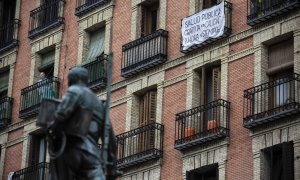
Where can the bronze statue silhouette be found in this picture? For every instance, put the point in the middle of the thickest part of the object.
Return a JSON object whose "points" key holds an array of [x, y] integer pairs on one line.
{"points": [[74, 130]]}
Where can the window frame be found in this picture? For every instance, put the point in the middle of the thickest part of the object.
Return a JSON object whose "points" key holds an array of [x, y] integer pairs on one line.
{"points": [[287, 154]]}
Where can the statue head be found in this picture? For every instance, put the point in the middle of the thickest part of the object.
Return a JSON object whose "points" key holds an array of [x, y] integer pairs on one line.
{"points": [[78, 75]]}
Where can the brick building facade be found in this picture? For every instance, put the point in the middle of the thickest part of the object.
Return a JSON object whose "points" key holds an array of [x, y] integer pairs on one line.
{"points": [[227, 108]]}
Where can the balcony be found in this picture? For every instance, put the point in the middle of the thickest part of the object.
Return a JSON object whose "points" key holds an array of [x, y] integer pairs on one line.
{"points": [[5, 111], [97, 70], [31, 96], [144, 53], [259, 11], [202, 124], [9, 35], [83, 6], [39, 172], [227, 30], [140, 145], [45, 17], [272, 101]]}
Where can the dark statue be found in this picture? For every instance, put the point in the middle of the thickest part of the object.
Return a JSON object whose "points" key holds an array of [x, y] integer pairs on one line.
{"points": [[74, 131]]}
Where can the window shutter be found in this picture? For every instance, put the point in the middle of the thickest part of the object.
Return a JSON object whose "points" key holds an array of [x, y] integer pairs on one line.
{"points": [[203, 85], [147, 108], [288, 160], [96, 47], [4, 79], [144, 110], [47, 59], [152, 106], [34, 153], [281, 56], [143, 20], [216, 82]]}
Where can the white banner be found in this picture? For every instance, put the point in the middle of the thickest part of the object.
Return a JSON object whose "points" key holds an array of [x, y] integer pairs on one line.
{"points": [[208, 23]]}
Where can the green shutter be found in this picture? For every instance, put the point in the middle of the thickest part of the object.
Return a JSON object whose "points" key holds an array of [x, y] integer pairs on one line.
{"points": [[47, 58], [4, 78], [96, 47]]}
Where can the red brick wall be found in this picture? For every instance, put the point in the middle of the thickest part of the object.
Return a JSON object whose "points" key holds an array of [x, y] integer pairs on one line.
{"points": [[121, 34], [171, 73], [240, 158], [15, 134], [118, 118], [23, 63], [176, 10], [241, 45], [69, 45], [13, 159], [118, 94], [174, 101], [239, 13]]}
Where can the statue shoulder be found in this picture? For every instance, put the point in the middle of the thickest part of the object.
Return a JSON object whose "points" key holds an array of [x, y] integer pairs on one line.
{"points": [[75, 89]]}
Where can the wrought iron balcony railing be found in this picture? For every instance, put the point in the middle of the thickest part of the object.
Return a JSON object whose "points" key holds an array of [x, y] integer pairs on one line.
{"points": [[97, 70], [36, 172], [45, 17], [227, 30], [144, 53], [202, 124], [5, 111], [139, 145], [9, 35], [84, 6], [32, 96], [272, 100], [261, 10]]}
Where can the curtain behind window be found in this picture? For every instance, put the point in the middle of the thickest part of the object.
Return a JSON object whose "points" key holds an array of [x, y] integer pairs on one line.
{"points": [[96, 47]]}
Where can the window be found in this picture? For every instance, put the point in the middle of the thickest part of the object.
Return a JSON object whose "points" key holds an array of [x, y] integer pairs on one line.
{"points": [[204, 4], [280, 64], [47, 64], [7, 11], [149, 18], [96, 45], [278, 162], [209, 172], [50, 12], [37, 149], [147, 115], [7, 17], [147, 108], [4, 79], [210, 82]]}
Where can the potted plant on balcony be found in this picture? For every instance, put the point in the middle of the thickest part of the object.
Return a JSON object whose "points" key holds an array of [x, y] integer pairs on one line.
{"points": [[212, 125], [189, 132]]}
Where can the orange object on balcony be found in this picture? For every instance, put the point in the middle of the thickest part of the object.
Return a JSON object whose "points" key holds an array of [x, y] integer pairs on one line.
{"points": [[211, 124], [189, 132]]}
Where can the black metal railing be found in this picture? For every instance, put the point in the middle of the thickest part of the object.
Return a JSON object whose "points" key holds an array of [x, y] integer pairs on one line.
{"points": [[36, 172], [97, 70], [139, 145], [227, 30], [32, 96], [272, 100], [9, 35], [261, 10], [45, 17], [144, 53], [5, 111], [202, 124], [83, 6]]}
